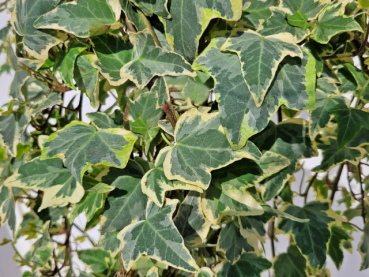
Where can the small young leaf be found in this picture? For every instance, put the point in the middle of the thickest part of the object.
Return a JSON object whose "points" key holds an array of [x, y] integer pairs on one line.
{"points": [[298, 19]]}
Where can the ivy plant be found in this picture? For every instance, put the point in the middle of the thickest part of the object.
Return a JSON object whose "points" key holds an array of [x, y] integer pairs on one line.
{"points": [[201, 113]]}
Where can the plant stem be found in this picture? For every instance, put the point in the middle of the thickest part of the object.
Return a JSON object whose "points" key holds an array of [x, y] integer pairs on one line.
{"points": [[87, 236], [309, 186], [80, 106], [166, 139], [148, 26], [363, 212], [335, 182], [169, 111]]}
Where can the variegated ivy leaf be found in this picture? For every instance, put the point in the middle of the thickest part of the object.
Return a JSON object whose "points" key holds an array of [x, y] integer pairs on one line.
{"points": [[166, 245], [54, 98], [7, 208], [12, 126], [191, 222], [65, 64], [260, 57], [201, 146], [349, 123], [333, 156], [110, 242], [335, 244], [132, 15], [87, 77], [150, 60], [348, 83], [152, 7], [155, 184], [309, 7], [258, 11], [251, 263], [294, 87], [361, 139], [81, 145], [85, 18], [205, 272], [161, 90], [311, 237], [153, 272], [290, 264], [290, 139], [20, 75], [113, 52], [103, 121], [93, 201], [144, 264], [332, 22], [41, 250], [50, 176], [97, 260], [124, 205], [232, 243], [320, 117], [36, 42], [363, 248], [190, 19], [362, 82], [277, 24]]}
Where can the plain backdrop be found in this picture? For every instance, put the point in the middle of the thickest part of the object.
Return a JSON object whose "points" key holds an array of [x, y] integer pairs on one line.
{"points": [[350, 266]]}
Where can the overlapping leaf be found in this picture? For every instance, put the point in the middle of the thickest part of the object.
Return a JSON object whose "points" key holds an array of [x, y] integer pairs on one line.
{"points": [[151, 7], [256, 12], [201, 146], [309, 7], [7, 208], [290, 264], [335, 244], [81, 145], [190, 19]]}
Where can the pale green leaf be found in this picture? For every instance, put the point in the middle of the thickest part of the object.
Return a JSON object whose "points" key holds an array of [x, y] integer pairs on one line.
{"points": [[193, 158], [84, 18], [150, 60], [332, 22], [7, 208], [81, 145], [97, 260], [298, 19], [260, 57], [153, 272], [167, 244], [311, 237]]}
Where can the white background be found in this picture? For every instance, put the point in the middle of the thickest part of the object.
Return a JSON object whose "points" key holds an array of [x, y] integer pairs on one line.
{"points": [[350, 266]]}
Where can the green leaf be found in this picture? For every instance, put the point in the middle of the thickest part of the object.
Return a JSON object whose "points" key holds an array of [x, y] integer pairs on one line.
{"points": [[332, 22], [361, 139], [84, 19], [251, 263], [349, 123], [167, 244], [161, 90], [257, 12], [238, 112], [298, 19], [96, 260], [54, 98], [260, 57], [361, 84], [290, 264], [309, 7], [124, 205], [290, 139], [151, 7], [132, 15], [155, 184], [320, 117], [191, 222], [7, 208], [150, 60], [65, 65], [332, 156], [81, 145], [363, 248], [103, 121], [348, 82], [37, 43], [58, 184], [110, 242], [153, 272], [335, 244], [277, 24], [190, 19], [232, 243], [12, 126], [311, 237], [192, 158], [87, 77], [197, 91], [113, 52]]}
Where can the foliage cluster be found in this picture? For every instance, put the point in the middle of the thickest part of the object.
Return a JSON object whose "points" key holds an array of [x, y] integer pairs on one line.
{"points": [[186, 170]]}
